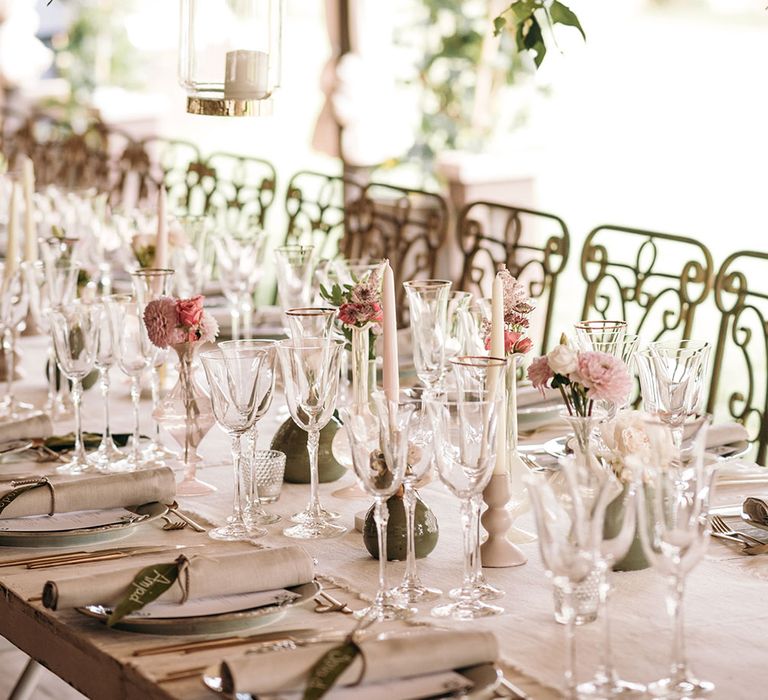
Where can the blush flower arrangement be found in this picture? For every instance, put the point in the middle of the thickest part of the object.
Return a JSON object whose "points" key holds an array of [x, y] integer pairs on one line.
{"points": [[359, 306], [518, 307], [172, 321], [582, 377]]}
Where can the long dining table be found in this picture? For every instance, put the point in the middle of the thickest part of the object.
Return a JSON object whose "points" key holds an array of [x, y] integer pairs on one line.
{"points": [[724, 605]]}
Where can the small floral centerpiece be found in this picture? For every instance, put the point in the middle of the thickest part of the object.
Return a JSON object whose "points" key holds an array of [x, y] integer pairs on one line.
{"points": [[518, 307], [359, 306], [582, 377], [172, 322]]}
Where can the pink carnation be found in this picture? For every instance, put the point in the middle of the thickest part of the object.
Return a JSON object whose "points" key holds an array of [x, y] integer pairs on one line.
{"points": [[161, 319], [540, 373], [190, 310], [604, 376]]}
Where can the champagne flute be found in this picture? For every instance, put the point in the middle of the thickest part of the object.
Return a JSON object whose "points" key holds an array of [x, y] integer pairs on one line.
{"points": [[76, 330], [233, 377], [311, 376], [14, 304]]}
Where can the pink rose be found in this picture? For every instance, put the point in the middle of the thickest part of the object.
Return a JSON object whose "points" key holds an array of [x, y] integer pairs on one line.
{"points": [[605, 377], [160, 320], [540, 373], [190, 311]]}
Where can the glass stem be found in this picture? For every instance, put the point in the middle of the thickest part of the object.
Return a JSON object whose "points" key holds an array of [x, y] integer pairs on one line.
{"points": [[10, 367], [605, 668], [570, 641], [675, 607], [237, 504], [106, 437], [154, 376], [52, 377], [411, 579], [77, 395], [477, 569], [136, 399], [247, 313], [467, 526], [234, 314], [381, 514], [313, 442], [254, 500]]}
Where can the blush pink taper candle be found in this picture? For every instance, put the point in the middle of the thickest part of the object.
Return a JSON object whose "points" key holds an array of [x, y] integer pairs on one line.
{"points": [[161, 243], [391, 362]]}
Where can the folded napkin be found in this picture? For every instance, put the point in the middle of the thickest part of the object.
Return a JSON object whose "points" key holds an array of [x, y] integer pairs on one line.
{"points": [[528, 396], [92, 492], [232, 573], [724, 434], [37, 426], [402, 656], [756, 511]]}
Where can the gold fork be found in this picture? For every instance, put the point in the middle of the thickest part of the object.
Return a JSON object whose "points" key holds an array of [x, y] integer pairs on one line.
{"points": [[721, 527]]}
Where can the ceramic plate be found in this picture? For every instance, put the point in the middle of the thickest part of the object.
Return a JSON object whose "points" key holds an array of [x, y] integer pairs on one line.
{"points": [[557, 448], [485, 678], [209, 624], [537, 415], [92, 535]]}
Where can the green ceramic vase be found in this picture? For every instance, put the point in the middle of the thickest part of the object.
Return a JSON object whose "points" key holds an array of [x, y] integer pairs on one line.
{"points": [[426, 533], [634, 560], [292, 440]]}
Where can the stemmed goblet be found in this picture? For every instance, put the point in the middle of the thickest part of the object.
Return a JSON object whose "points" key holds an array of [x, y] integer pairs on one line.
{"points": [[311, 377], [149, 284], [76, 330], [133, 352], [428, 304], [14, 304], [295, 268], [254, 511], [107, 454], [379, 445], [674, 488], [233, 378], [311, 322], [465, 451], [600, 335]]}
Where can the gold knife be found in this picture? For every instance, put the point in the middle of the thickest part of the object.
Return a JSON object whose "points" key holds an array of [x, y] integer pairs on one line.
{"points": [[104, 556]]}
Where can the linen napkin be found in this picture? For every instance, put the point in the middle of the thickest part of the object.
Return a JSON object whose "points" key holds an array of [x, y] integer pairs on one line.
{"points": [[37, 426], [93, 492], [403, 656], [724, 434], [209, 576]]}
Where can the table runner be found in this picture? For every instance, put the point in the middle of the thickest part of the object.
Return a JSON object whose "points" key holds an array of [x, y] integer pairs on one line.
{"points": [[724, 602]]}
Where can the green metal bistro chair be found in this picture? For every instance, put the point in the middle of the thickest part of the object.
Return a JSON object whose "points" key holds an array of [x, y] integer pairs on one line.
{"points": [[739, 385], [653, 281], [406, 226], [316, 209], [532, 244]]}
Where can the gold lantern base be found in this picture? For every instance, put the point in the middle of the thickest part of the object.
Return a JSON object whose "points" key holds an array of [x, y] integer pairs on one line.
{"points": [[225, 107]]}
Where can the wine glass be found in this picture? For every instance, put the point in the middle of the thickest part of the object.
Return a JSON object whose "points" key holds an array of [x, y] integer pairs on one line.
{"points": [[76, 330], [233, 378], [674, 488], [240, 260], [379, 446], [133, 352], [192, 261], [107, 453], [14, 305], [311, 322], [600, 335], [465, 451], [678, 374], [254, 511], [150, 284], [311, 377], [295, 268], [458, 329], [428, 304], [419, 459]]}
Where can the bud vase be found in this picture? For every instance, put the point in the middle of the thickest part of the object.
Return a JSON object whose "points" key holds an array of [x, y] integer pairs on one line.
{"points": [[187, 415]]}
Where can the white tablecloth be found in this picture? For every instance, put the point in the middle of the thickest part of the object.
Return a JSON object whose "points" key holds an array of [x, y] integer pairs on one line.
{"points": [[725, 597]]}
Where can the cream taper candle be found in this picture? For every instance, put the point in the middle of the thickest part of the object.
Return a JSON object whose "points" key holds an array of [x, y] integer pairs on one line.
{"points": [[12, 240], [161, 243], [391, 361], [497, 350], [30, 230]]}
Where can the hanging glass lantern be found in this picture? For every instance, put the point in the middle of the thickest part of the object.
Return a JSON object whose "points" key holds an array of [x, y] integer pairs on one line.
{"points": [[230, 55]]}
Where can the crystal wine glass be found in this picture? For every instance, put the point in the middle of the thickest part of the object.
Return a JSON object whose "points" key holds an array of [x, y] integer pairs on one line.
{"points": [[311, 322], [240, 259], [14, 304], [295, 269], [311, 376], [600, 335], [150, 284], [428, 304], [379, 446], [254, 511], [133, 352], [76, 330], [465, 451], [674, 488], [233, 378], [419, 459]]}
